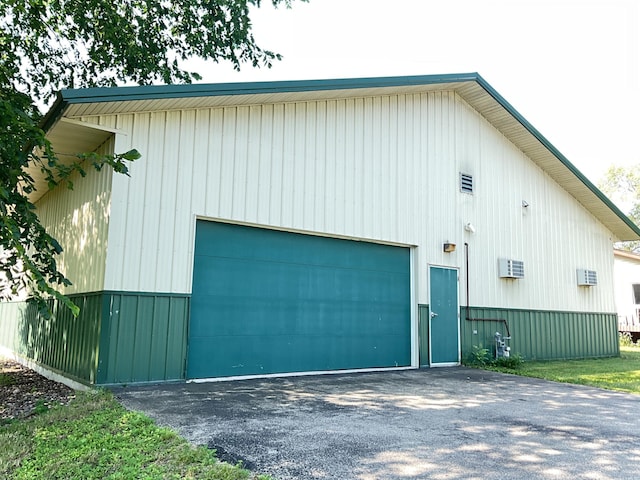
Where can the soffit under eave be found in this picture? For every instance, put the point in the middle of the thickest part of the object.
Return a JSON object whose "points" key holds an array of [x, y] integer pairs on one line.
{"points": [[75, 110], [68, 138]]}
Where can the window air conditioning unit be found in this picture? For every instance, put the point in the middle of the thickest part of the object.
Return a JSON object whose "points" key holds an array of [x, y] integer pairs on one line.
{"points": [[586, 277], [510, 268]]}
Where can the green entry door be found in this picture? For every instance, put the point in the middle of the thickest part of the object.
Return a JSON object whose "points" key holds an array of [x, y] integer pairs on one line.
{"points": [[266, 301], [444, 328]]}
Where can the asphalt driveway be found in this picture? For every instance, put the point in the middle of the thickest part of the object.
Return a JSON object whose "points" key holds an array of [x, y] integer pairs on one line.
{"points": [[433, 423]]}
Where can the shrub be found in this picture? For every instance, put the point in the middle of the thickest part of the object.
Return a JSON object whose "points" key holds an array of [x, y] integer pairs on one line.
{"points": [[625, 339], [512, 362], [479, 356], [482, 357]]}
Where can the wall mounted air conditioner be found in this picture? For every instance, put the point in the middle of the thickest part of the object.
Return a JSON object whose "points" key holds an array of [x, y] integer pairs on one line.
{"points": [[508, 268], [586, 277]]}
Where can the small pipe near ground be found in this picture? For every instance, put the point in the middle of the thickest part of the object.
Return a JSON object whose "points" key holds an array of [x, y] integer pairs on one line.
{"points": [[473, 319]]}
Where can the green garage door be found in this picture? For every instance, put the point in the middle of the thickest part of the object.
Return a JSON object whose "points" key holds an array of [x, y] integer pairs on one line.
{"points": [[266, 301]]}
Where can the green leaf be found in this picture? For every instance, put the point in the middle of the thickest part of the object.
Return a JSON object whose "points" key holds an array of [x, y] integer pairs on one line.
{"points": [[56, 246], [131, 155]]}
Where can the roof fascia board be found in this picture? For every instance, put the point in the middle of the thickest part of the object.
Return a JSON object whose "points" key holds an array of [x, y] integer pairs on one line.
{"points": [[67, 97], [55, 112], [154, 92]]}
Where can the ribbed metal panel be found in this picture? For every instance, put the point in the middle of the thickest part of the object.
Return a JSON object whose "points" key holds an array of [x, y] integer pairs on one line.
{"points": [[423, 334], [79, 220], [268, 302], [63, 343], [543, 335], [11, 314], [382, 168], [143, 338]]}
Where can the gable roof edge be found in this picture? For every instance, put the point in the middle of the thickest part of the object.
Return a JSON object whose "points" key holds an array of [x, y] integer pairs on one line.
{"points": [[556, 153]]}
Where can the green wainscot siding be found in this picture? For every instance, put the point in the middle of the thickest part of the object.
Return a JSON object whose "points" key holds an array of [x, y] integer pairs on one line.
{"points": [[144, 338], [119, 337], [542, 335], [423, 334], [62, 343]]}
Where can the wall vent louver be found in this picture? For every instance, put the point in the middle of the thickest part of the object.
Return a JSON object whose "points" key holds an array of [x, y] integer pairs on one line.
{"points": [[586, 277], [466, 183], [510, 268]]}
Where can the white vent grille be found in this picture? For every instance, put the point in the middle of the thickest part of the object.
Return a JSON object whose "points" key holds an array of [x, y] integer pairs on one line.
{"points": [[587, 277], [466, 183], [510, 268]]}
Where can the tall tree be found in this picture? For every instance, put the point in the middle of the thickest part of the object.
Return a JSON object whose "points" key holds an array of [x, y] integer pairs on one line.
{"points": [[622, 185], [47, 45]]}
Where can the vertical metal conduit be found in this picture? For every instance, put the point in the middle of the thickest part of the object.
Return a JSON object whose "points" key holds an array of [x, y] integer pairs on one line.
{"points": [[467, 316]]}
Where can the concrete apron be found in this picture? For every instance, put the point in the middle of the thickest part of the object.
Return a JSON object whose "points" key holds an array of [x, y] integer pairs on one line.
{"points": [[433, 423]]}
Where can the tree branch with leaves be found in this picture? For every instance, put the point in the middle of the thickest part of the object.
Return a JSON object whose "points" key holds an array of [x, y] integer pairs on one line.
{"points": [[49, 45], [622, 185]]}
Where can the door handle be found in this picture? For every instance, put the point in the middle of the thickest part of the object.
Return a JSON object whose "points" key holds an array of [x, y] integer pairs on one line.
{"points": [[434, 314]]}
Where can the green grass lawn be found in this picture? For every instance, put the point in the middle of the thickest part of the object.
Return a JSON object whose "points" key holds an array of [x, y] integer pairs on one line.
{"points": [[96, 438], [622, 374]]}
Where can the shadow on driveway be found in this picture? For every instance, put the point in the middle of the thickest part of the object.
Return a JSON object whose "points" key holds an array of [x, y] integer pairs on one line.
{"points": [[453, 423]]}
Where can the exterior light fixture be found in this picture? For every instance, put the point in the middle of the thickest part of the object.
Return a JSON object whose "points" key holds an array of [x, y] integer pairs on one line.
{"points": [[449, 247]]}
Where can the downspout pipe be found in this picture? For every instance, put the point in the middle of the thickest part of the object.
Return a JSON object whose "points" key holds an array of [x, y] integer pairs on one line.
{"points": [[467, 316]]}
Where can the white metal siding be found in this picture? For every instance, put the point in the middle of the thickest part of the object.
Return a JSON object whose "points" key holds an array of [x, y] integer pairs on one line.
{"points": [[79, 220], [627, 273], [381, 168]]}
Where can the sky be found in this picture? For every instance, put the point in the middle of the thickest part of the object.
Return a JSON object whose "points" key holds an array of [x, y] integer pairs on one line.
{"points": [[570, 67]]}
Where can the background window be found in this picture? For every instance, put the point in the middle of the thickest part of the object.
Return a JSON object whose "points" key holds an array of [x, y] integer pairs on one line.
{"points": [[636, 293]]}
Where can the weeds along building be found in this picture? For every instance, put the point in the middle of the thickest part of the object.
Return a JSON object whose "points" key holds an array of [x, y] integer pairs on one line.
{"points": [[315, 226]]}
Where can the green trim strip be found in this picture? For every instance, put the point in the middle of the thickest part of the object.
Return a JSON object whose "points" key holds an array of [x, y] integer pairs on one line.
{"points": [[154, 92]]}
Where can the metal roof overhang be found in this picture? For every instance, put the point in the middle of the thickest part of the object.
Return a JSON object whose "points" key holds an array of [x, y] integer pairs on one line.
{"points": [[69, 137], [471, 87]]}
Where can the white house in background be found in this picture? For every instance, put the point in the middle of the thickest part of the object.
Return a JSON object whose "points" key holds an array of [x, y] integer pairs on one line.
{"points": [[626, 272], [314, 226]]}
